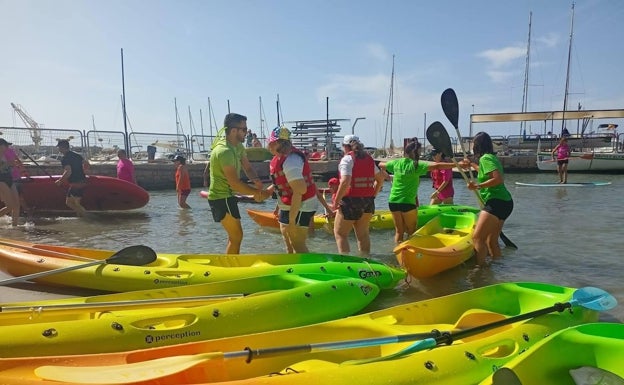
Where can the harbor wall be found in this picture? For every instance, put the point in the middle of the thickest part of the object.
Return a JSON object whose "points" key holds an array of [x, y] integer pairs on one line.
{"points": [[161, 175]]}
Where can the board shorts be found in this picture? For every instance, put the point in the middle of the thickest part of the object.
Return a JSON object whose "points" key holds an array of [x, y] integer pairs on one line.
{"points": [[185, 192], [352, 208], [221, 207], [562, 161], [7, 178], [402, 207], [303, 217], [499, 208], [76, 190]]}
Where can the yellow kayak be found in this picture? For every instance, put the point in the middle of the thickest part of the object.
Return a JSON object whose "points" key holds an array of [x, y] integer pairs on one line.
{"points": [[169, 270], [443, 243], [362, 349], [56, 327]]}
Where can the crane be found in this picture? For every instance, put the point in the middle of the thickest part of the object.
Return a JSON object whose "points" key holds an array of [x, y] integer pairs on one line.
{"points": [[35, 130]]}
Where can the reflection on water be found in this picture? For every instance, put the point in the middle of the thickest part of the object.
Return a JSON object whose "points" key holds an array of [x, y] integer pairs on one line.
{"points": [[568, 236]]}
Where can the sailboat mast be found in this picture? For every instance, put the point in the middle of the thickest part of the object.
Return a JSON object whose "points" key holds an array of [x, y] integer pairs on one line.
{"points": [[567, 83], [123, 104], [392, 105], [525, 92]]}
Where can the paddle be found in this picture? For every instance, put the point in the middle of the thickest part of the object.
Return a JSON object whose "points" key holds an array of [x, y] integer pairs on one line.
{"points": [[42, 251], [138, 255], [590, 297], [439, 139], [36, 164]]}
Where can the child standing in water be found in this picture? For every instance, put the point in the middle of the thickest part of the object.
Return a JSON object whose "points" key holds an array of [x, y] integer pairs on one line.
{"points": [[563, 155], [183, 181], [442, 181]]}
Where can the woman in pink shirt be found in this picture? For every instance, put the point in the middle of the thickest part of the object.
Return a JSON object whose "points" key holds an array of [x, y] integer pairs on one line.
{"points": [[125, 167]]}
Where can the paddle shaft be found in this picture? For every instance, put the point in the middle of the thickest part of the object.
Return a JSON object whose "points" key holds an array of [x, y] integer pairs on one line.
{"points": [[40, 274], [36, 164]]}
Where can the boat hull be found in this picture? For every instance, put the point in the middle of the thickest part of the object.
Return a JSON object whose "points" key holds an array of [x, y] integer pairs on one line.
{"points": [[170, 270], [441, 244], [102, 193], [114, 330], [466, 361], [594, 345], [599, 162]]}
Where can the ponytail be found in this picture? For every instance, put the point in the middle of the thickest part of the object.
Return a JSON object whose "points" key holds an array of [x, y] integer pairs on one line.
{"points": [[412, 150]]}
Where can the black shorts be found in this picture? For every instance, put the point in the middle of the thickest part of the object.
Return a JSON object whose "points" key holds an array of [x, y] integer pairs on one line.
{"points": [[402, 207], [352, 208], [499, 208], [220, 207], [562, 161], [75, 192], [303, 217]]}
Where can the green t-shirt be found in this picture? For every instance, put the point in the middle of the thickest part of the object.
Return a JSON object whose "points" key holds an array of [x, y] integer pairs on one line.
{"points": [[406, 178], [487, 164], [223, 155]]}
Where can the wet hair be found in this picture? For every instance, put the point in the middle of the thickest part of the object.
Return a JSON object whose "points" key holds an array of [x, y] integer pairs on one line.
{"points": [[233, 120], [482, 144], [412, 149], [357, 147]]}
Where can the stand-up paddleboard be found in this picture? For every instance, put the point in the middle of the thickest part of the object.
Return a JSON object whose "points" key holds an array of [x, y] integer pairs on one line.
{"points": [[579, 184], [102, 193]]}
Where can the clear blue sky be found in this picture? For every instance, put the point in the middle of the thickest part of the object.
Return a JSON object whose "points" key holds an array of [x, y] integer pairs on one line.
{"points": [[61, 60]]}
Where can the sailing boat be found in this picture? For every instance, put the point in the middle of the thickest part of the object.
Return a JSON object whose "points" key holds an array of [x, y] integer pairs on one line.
{"points": [[390, 114], [610, 157]]}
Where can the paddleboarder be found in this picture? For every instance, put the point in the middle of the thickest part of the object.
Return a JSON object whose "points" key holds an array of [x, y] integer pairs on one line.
{"points": [[562, 154]]}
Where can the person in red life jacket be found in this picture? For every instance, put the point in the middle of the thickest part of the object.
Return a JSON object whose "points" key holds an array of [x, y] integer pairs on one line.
{"points": [[360, 181], [292, 181]]}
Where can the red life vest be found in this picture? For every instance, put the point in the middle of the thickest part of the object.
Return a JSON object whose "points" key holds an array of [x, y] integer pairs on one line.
{"points": [[276, 169], [362, 177]]}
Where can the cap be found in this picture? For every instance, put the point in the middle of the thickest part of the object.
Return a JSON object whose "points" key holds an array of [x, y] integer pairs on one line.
{"points": [[179, 158], [63, 143], [279, 133], [350, 138], [333, 182], [4, 142]]}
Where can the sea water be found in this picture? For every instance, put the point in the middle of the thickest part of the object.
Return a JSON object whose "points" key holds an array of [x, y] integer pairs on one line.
{"points": [[570, 236]]}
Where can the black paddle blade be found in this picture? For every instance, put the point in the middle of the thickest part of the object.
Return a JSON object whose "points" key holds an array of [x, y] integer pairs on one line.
{"points": [[138, 255], [439, 139], [450, 106]]}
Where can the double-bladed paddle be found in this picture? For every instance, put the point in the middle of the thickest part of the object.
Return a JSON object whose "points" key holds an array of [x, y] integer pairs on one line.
{"points": [[137, 255], [588, 297], [440, 140]]}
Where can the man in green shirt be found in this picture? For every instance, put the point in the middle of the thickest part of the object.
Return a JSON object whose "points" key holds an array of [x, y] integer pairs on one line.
{"points": [[226, 160]]}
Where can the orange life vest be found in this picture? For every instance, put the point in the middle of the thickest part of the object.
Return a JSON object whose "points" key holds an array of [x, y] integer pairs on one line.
{"points": [[362, 177], [276, 169]]}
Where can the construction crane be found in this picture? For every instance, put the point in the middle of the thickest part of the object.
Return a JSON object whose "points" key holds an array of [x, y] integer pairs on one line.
{"points": [[35, 130]]}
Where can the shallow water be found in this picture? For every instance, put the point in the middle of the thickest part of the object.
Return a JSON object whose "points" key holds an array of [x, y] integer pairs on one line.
{"points": [[566, 235]]}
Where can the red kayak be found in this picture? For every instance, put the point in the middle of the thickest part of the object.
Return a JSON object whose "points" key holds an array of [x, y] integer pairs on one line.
{"points": [[102, 193]]}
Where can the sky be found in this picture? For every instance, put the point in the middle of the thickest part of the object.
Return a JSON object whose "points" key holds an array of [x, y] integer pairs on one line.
{"points": [[61, 61]]}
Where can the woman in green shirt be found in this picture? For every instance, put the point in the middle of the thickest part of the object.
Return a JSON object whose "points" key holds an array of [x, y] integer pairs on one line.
{"points": [[403, 194], [497, 201]]}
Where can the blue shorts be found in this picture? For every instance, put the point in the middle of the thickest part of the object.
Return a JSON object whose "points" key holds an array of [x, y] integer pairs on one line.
{"points": [[303, 217], [499, 208], [221, 207]]}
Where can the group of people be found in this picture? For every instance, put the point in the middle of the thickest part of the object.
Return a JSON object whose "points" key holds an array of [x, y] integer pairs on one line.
{"points": [[353, 193]]}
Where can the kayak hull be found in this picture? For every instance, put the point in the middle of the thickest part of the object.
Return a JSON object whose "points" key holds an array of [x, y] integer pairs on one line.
{"points": [[589, 346], [441, 244], [169, 270], [466, 361], [83, 331]]}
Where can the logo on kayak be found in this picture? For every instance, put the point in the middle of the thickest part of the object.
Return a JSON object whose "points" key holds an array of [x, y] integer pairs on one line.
{"points": [[169, 282], [366, 289], [369, 273], [172, 336]]}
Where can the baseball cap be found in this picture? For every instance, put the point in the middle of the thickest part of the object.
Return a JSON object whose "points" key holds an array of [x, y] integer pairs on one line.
{"points": [[350, 138], [279, 133]]}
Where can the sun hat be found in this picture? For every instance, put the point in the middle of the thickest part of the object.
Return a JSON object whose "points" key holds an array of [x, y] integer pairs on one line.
{"points": [[279, 133], [350, 138]]}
